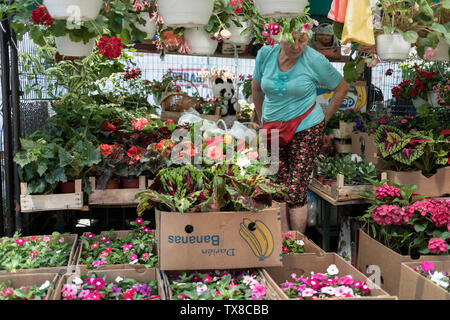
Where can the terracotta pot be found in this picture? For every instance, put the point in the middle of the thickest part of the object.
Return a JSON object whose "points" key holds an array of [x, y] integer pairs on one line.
{"points": [[111, 184], [130, 183], [67, 187]]}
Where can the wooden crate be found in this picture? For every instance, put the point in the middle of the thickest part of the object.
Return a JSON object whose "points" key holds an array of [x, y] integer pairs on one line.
{"points": [[115, 196], [51, 202], [341, 192]]}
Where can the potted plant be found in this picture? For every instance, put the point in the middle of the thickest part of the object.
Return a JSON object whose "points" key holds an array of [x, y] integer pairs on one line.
{"points": [[187, 14], [166, 84], [280, 9], [84, 10], [420, 85], [199, 41]]}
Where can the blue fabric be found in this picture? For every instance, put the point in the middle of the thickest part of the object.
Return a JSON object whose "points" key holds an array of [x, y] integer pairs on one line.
{"points": [[290, 94]]}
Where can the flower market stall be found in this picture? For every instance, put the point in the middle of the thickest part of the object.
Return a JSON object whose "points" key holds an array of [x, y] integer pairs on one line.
{"points": [[139, 186]]}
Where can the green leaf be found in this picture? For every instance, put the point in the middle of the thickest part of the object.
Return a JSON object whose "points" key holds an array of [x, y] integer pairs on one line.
{"points": [[420, 228]]}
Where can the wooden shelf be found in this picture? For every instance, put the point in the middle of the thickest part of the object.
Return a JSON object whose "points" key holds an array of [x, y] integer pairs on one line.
{"points": [[149, 48]]}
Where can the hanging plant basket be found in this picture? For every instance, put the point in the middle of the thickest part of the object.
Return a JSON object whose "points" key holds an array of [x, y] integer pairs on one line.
{"points": [[183, 13], [200, 42], [432, 99], [236, 37], [441, 51], [64, 9], [69, 48], [392, 47], [280, 8], [149, 27]]}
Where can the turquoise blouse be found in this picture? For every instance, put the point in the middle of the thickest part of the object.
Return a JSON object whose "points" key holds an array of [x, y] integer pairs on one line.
{"points": [[290, 94]]}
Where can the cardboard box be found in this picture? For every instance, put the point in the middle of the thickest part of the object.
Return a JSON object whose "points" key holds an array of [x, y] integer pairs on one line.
{"points": [[309, 247], [119, 234], [363, 145], [304, 264], [373, 253], [435, 186], [219, 240], [356, 97], [140, 274], [73, 238], [32, 279], [414, 286], [271, 293]]}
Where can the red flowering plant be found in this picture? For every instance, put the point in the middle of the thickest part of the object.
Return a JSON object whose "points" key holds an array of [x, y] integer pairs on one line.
{"points": [[96, 287], [112, 248], [406, 222], [328, 285], [420, 80]]}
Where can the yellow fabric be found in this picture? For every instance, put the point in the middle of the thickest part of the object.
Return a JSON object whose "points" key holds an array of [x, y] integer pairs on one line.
{"points": [[358, 26], [338, 10]]}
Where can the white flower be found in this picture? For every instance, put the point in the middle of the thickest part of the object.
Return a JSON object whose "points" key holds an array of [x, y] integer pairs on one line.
{"points": [[437, 276], [356, 158], [328, 290], [332, 270], [201, 289], [45, 285], [134, 261], [77, 280], [300, 243], [249, 280], [308, 292], [118, 279]]}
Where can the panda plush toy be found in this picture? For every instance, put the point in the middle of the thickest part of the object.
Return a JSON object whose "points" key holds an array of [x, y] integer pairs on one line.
{"points": [[223, 89]]}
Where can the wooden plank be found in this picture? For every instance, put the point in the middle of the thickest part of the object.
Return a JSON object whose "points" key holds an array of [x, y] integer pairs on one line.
{"points": [[341, 192], [51, 202], [332, 201], [122, 197]]}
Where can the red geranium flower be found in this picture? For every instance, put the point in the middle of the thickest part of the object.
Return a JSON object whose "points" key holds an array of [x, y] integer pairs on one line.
{"points": [[110, 47], [132, 151], [41, 16], [110, 127]]}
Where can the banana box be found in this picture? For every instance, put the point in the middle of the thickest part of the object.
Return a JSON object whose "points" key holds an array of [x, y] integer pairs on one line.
{"points": [[219, 240]]}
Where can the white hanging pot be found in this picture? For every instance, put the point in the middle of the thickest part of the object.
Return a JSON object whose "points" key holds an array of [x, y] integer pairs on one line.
{"points": [[392, 47], [78, 10], [185, 13], [200, 42], [69, 48], [418, 102], [236, 37], [441, 51], [432, 99], [280, 8], [149, 27]]}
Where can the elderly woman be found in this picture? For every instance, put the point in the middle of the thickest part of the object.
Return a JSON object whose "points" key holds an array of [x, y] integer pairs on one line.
{"points": [[284, 89]]}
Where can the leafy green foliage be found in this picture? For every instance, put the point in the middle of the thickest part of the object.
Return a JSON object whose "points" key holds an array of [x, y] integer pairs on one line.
{"points": [[354, 169]]}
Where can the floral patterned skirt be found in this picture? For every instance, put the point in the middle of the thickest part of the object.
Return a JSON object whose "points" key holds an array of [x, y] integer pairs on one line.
{"points": [[297, 163]]}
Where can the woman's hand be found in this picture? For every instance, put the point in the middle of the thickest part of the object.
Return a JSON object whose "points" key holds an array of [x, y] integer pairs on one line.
{"points": [[339, 95]]}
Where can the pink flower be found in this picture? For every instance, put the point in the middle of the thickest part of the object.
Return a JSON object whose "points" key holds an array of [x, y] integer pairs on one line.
{"points": [[253, 155], [46, 239], [94, 245], [346, 280], [437, 246], [386, 214], [147, 230], [257, 290], [139, 220], [107, 242], [382, 121], [429, 53], [20, 241], [103, 238], [99, 283], [7, 292], [132, 257], [287, 235], [144, 256], [90, 236], [140, 124], [207, 278], [98, 263], [386, 191], [69, 290], [104, 254], [285, 249], [33, 254], [93, 296], [108, 249], [427, 266], [142, 227]]}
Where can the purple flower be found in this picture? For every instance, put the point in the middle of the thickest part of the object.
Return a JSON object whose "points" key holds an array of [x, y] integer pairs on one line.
{"points": [[116, 289]]}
